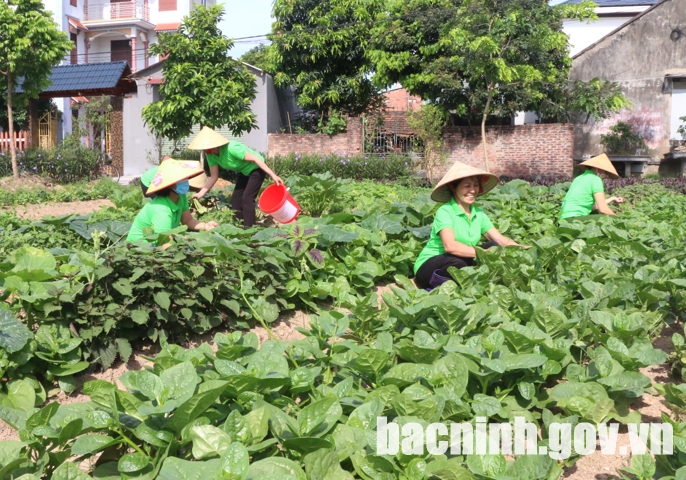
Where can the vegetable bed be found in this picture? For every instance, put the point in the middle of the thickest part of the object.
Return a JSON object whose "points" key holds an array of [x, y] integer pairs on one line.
{"points": [[556, 333]]}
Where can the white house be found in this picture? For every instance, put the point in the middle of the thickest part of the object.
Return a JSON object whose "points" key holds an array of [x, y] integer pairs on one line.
{"points": [[141, 149], [112, 30], [612, 14]]}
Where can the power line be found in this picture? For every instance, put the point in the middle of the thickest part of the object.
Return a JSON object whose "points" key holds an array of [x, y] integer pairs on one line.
{"points": [[257, 39]]}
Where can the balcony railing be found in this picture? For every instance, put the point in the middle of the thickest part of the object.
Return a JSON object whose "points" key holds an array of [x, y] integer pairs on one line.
{"points": [[116, 11]]}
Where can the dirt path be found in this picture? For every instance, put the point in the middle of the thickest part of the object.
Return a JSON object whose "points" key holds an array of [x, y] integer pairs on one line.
{"points": [[38, 211]]}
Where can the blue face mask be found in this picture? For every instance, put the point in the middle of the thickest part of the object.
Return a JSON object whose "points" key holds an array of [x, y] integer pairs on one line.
{"points": [[182, 187]]}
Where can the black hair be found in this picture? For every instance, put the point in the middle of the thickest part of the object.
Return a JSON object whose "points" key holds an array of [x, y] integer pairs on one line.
{"points": [[164, 192]]}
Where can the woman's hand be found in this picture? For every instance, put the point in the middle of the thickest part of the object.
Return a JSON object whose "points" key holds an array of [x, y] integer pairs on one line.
{"points": [[277, 179], [206, 226]]}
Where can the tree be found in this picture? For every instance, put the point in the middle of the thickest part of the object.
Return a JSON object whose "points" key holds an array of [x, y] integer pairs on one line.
{"points": [[203, 84], [480, 58], [428, 123], [31, 44], [320, 49], [259, 57]]}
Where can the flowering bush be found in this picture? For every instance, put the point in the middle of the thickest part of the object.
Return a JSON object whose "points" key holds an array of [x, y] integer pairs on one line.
{"points": [[357, 167]]}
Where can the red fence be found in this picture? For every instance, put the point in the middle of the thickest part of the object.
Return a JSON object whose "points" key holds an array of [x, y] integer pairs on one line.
{"points": [[20, 141]]}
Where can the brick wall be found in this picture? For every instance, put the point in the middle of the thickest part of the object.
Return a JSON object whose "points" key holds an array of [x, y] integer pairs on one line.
{"points": [[400, 99], [521, 150], [117, 132], [348, 142]]}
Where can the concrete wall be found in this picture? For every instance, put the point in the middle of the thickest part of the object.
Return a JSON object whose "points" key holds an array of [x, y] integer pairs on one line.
{"points": [[637, 57], [140, 150]]}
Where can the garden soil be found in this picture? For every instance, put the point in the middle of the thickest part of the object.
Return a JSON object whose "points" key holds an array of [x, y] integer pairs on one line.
{"points": [[595, 466], [38, 211]]}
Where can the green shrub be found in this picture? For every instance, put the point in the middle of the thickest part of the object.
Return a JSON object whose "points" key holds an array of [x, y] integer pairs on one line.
{"points": [[357, 167], [622, 140]]}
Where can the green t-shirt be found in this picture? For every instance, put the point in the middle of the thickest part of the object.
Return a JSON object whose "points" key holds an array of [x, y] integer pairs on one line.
{"points": [[160, 213], [231, 157], [467, 230], [148, 176], [579, 199]]}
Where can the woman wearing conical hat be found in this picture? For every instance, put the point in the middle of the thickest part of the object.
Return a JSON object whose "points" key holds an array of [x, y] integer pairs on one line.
{"points": [[234, 156], [458, 225], [587, 192], [169, 208]]}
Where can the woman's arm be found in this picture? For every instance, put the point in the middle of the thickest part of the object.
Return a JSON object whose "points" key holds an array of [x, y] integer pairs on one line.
{"points": [[495, 236], [211, 180], [601, 204], [252, 158], [193, 224], [454, 247]]}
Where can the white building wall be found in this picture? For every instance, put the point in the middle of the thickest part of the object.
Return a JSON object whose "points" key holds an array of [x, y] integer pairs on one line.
{"points": [[582, 35]]}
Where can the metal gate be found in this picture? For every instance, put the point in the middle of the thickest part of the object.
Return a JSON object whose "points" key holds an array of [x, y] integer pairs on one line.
{"points": [[47, 130], [388, 132]]}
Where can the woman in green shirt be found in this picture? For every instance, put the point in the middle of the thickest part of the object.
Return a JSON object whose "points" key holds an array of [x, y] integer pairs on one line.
{"points": [[236, 157], [587, 192], [458, 225], [169, 208]]}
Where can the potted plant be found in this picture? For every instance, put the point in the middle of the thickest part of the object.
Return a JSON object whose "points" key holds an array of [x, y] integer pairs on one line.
{"points": [[626, 147]]}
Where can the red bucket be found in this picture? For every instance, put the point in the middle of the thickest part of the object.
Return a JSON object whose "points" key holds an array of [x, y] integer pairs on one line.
{"points": [[277, 202]]}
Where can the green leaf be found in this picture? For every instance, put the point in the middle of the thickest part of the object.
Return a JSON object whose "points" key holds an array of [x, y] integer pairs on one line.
{"points": [[13, 333], [323, 464], [177, 469], [207, 293], [22, 395], [92, 443], [193, 407], [125, 349], [275, 468], [162, 300], [69, 471], [235, 462], [208, 441], [143, 381], [319, 417], [483, 405], [133, 462]]}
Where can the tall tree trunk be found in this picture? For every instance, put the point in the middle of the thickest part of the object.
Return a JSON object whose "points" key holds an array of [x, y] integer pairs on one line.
{"points": [[10, 120], [483, 126]]}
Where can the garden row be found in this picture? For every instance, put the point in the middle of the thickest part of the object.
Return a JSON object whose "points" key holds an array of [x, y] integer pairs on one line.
{"points": [[554, 333]]}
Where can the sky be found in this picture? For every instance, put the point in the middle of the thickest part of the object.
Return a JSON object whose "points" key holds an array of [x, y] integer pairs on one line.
{"points": [[245, 18]]}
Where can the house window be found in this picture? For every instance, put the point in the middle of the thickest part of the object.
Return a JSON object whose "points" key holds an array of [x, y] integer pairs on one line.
{"points": [[73, 3], [120, 50], [678, 109], [74, 54], [167, 5]]}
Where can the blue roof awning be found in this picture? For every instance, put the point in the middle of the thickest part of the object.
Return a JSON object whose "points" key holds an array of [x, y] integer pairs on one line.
{"points": [[86, 79]]}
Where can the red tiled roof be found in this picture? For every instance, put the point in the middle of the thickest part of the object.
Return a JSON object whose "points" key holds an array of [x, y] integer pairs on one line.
{"points": [[167, 27], [76, 23]]}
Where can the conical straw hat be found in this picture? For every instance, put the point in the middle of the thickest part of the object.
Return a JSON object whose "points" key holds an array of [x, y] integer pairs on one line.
{"points": [[173, 171], [199, 181], [602, 162], [207, 139], [458, 171]]}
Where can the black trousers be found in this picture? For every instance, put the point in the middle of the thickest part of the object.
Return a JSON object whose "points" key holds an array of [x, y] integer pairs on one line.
{"points": [[245, 194], [441, 263]]}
